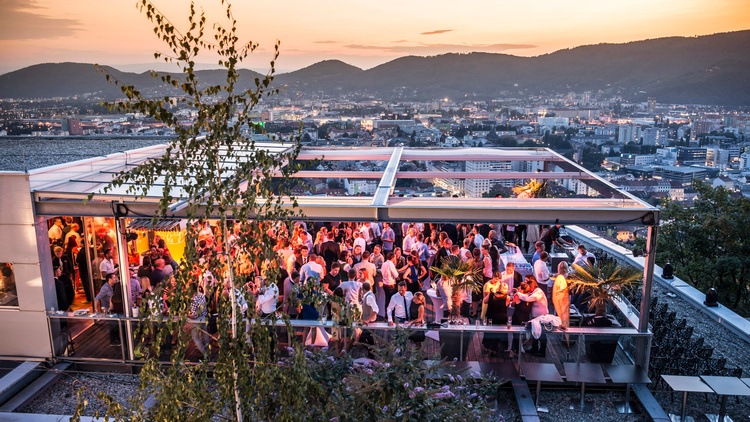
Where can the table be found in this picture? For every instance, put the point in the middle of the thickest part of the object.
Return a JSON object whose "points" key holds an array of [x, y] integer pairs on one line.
{"points": [[725, 387], [626, 374], [583, 373], [517, 258], [687, 385], [437, 304], [539, 372]]}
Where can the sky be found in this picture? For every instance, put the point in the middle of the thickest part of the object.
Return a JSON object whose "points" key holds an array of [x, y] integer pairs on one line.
{"points": [[361, 33]]}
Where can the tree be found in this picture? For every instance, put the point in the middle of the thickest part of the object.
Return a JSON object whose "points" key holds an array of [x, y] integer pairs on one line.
{"points": [[592, 159], [220, 174], [220, 163], [709, 243]]}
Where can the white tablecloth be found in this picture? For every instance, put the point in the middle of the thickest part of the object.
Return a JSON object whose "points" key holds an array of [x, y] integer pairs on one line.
{"points": [[516, 257], [437, 304]]}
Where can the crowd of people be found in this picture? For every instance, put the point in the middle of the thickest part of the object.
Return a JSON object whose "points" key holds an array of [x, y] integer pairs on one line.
{"points": [[383, 270]]}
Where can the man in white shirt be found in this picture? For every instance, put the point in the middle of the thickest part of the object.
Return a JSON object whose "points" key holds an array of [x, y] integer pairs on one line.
{"points": [[511, 277], [55, 232], [351, 289], [285, 251], [268, 297], [108, 265], [541, 272], [399, 305], [311, 269], [294, 261], [409, 240], [582, 257], [367, 235], [478, 238], [359, 241], [390, 275]]}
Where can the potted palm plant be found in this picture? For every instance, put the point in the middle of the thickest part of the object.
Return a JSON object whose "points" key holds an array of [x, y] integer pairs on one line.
{"points": [[534, 189], [455, 278], [597, 286]]}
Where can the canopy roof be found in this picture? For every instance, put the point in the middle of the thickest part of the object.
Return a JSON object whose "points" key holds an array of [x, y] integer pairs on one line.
{"points": [[63, 189]]}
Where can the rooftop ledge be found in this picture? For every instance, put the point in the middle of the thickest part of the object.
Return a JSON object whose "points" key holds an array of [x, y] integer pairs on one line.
{"points": [[721, 314]]}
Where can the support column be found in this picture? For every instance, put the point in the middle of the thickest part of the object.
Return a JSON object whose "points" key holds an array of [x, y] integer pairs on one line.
{"points": [[643, 345], [122, 250]]}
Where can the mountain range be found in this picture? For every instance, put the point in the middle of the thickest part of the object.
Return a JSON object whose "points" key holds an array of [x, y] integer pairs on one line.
{"points": [[712, 69]]}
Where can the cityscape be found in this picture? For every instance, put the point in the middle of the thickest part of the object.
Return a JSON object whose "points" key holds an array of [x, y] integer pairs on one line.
{"points": [[650, 149], [402, 212]]}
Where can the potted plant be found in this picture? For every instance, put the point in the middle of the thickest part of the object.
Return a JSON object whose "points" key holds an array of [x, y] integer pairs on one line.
{"points": [[597, 286], [534, 189], [455, 276]]}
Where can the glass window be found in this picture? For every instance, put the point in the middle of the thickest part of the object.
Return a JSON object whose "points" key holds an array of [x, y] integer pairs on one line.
{"points": [[8, 294]]}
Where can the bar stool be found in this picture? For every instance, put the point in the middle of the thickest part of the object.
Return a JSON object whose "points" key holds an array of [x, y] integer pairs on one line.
{"points": [[626, 374], [539, 372], [583, 373]]}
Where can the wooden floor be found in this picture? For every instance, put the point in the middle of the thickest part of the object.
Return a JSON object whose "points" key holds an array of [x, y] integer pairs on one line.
{"points": [[92, 341]]}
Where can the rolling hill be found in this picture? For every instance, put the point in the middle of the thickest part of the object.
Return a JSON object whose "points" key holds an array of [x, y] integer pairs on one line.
{"points": [[710, 69]]}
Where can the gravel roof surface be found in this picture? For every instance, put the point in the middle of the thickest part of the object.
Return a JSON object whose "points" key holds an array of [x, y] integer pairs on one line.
{"points": [[61, 398], [26, 153]]}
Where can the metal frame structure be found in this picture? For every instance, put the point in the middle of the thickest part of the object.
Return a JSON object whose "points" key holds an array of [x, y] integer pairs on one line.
{"points": [[64, 190]]}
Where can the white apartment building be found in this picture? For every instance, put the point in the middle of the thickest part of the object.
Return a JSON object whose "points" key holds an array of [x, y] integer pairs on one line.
{"points": [[360, 186], [637, 159], [549, 122], [655, 136], [628, 133], [475, 188], [745, 161], [454, 186], [578, 187], [717, 157]]}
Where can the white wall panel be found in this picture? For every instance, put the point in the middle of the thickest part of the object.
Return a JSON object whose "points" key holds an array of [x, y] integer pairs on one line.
{"points": [[18, 243], [24, 334], [16, 199]]}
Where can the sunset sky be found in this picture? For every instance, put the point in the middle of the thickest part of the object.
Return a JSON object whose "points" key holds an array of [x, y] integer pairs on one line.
{"points": [[364, 34]]}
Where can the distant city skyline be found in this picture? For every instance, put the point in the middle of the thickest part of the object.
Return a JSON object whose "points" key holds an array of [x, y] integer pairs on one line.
{"points": [[362, 34]]}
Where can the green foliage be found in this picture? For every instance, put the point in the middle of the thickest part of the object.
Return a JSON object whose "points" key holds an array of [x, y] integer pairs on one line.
{"points": [[457, 275], [709, 243], [604, 282], [592, 158], [216, 172], [533, 189]]}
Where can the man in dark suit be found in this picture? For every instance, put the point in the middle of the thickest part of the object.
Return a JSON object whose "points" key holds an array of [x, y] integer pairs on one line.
{"points": [[511, 277], [330, 250]]}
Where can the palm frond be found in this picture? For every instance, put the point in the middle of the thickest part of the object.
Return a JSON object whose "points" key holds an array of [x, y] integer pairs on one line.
{"points": [[459, 274], [534, 189], [603, 282]]}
